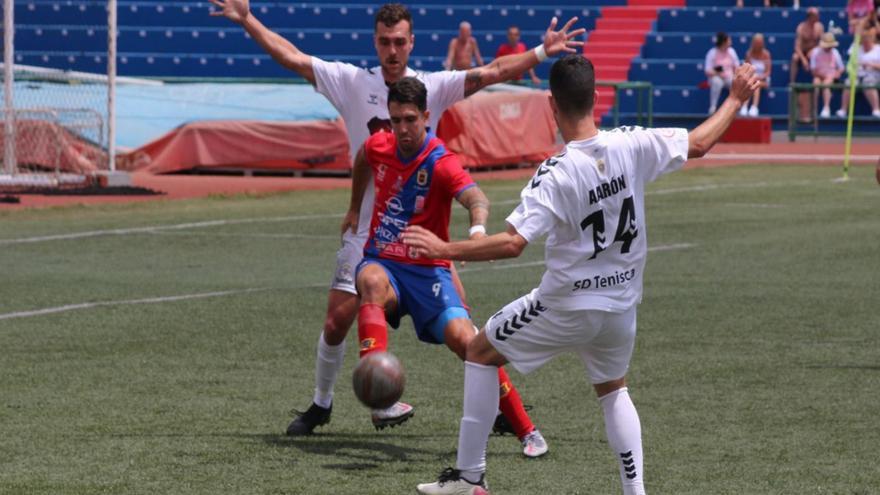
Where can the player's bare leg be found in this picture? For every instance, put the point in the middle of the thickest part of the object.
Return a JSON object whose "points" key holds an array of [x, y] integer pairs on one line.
{"points": [[378, 298], [458, 334]]}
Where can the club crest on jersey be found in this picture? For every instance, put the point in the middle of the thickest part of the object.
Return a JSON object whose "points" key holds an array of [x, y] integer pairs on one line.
{"points": [[368, 343], [422, 177], [504, 389], [374, 100], [380, 173]]}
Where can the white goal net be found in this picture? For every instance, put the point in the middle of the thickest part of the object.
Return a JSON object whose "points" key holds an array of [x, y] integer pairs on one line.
{"points": [[58, 125]]}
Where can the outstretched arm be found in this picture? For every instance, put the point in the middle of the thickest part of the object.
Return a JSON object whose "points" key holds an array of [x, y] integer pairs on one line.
{"points": [[477, 204], [505, 68], [279, 48], [701, 139], [507, 244]]}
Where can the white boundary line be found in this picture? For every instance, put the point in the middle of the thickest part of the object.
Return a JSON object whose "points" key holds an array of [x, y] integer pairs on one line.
{"points": [[157, 228], [215, 223], [149, 300], [788, 157], [205, 295]]}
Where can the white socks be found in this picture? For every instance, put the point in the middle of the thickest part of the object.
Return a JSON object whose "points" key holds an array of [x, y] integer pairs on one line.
{"points": [[481, 397], [625, 438], [327, 367]]}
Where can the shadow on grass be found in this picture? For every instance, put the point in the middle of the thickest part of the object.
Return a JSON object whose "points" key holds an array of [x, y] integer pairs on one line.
{"points": [[861, 367], [358, 451]]}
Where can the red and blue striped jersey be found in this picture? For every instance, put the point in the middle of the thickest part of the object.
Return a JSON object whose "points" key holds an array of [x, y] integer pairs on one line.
{"points": [[416, 191]]}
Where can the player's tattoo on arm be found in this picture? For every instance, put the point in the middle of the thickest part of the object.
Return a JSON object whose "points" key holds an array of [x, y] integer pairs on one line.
{"points": [[477, 204], [473, 81]]}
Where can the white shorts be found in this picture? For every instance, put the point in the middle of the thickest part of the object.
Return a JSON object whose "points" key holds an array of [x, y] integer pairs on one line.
{"points": [[347, 259], [529, 334]]}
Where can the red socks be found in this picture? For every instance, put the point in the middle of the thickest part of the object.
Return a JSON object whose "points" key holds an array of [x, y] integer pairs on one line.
{"points": [[372, 329], [511, 406]]}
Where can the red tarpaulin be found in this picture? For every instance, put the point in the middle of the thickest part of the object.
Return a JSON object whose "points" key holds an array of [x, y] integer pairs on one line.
{"points": [[499, 128], [486, 129], [263, 145]]}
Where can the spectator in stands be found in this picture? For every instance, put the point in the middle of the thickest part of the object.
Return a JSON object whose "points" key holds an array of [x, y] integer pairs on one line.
{"points": [[827, 66], [869, 73], [512, 47], [760, 59], [721, 61], [857, 11], [463, 50], [806, 38]]}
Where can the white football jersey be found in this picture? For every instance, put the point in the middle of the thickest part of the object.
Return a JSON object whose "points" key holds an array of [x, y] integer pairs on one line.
{"points": [[589, 200], [361, 97]]}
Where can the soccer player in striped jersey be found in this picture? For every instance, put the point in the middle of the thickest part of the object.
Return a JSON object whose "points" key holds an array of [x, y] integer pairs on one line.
{"points": [[415, 179]]}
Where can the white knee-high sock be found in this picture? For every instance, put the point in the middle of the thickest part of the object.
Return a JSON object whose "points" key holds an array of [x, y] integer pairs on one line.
{"points": [[480, 407], [327, 366], [625, 439]]}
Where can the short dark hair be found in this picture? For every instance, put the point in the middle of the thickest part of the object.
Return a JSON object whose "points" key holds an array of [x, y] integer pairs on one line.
{"points": [[720, 38], [409, 90], [392, 13], [573, 85]]}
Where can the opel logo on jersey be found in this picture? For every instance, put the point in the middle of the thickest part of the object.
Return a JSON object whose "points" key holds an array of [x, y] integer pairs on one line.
{"points": [[394, 206], [422, 177]]}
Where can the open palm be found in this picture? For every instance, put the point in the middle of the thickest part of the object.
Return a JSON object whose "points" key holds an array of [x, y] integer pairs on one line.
{"points": [[234, 10], [556, 42]]}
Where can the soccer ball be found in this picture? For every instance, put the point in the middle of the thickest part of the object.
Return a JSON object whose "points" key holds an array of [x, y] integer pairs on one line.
{"points": [[378, 380]]}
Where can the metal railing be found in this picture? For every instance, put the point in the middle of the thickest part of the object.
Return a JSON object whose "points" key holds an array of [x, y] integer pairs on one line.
{"points": [[644, 104], [797, 128]]}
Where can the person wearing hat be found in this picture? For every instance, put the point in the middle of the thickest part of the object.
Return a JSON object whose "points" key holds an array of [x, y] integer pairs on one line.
{"points": [[869, 73], [806, 39], [826, 64]]}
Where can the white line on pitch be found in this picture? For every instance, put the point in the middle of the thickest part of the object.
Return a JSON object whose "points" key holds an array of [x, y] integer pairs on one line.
{"points": [[244, 235], [148, 300], [788, 157], [154, 228], [505, 266]]}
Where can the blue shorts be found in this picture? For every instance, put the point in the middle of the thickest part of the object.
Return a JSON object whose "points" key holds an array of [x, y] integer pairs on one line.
{"points": [[426, 293]]}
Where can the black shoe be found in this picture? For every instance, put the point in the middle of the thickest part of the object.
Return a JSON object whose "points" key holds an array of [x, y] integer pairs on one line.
{"points": [[306, 422], [502, 426]]}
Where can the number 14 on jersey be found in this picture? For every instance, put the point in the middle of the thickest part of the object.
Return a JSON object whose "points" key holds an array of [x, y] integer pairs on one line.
{"points": [[626, 228]]}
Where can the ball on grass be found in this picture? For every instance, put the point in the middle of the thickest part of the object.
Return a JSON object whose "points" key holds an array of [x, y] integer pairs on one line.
{"points": [[378, 380]]}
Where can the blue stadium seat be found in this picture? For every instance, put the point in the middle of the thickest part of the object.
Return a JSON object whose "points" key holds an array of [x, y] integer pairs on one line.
{"points": [[689, 72], [729, 19]]}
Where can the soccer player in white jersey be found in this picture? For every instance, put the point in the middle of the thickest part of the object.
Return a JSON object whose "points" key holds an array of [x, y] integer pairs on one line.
{"points": [[360, 96], [589, 202]]}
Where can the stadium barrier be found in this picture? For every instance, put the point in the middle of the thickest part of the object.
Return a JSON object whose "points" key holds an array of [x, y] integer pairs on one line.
{"points": [[815, 127]]}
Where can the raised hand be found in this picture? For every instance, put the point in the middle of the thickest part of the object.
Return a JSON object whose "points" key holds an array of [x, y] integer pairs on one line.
{"points": [[556, 42], [234, 10], [745, 83]]}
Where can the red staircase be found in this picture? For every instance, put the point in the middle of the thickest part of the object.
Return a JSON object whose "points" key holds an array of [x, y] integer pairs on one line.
{"points": [[618, 38]]}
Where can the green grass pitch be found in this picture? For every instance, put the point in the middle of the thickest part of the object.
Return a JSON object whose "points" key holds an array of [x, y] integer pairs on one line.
{"points": [[159, 347]]}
